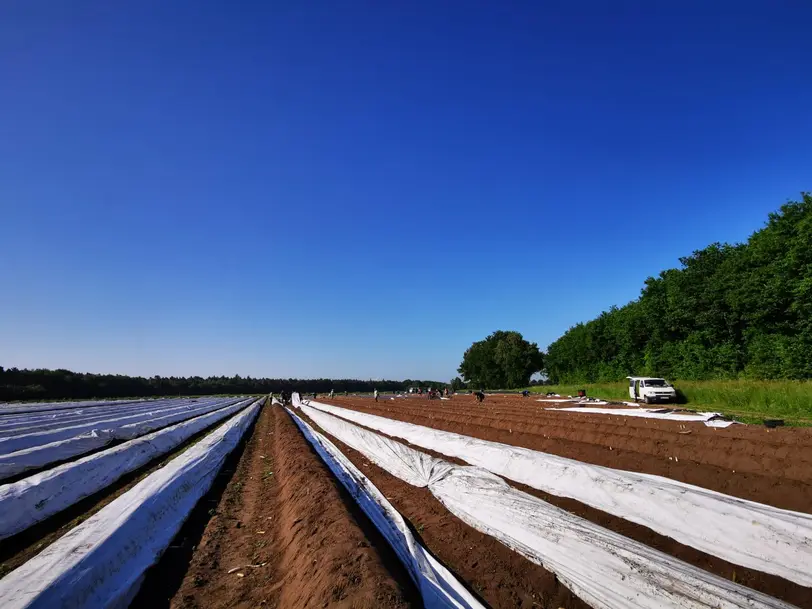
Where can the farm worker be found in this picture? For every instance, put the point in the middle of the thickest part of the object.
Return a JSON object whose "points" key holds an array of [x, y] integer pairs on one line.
{"points": [[332, 393], [376, 395]]}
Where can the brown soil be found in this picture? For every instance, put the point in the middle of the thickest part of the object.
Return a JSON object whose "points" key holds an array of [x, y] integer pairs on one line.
{"points": [[768, 466], [496, 574], [763, 582], [294, 536]]}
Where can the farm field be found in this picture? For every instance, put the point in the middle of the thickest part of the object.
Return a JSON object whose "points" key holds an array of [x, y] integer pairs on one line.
{"points": [[238, 502]]}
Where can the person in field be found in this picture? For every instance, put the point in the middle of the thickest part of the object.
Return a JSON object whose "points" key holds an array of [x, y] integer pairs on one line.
{"points": [[480, 396], [375, 393], [332, 393]]}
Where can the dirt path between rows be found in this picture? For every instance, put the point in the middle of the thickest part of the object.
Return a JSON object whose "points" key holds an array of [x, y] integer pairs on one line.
{"points": [[19, 548], [687, 457], [496, 574], [288, 533]]}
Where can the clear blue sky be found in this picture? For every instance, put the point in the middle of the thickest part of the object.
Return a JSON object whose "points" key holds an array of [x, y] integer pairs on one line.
{"points": [[321, 188]]}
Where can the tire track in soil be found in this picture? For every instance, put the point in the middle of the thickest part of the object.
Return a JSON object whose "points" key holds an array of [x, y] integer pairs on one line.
{"points": [[494, 572], [768, 486], [316, 549], [771, 585]]}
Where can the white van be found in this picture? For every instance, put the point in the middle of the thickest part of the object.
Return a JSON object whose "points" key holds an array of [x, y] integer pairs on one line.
{"points": [[651, 389]]}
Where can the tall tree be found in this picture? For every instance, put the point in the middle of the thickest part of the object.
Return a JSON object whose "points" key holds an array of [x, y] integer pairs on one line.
{"points": [[503, 360], [729, 311]]}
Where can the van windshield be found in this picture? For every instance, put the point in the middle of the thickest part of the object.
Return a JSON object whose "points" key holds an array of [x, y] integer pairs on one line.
{"points": [[656, 383]]}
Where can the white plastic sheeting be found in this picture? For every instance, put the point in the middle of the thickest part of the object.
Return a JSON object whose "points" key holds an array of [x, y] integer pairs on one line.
{"points": [[101, 562], [655, 413], [34, 457], [42, 495], [743, 532], [438, 587], [31, 423], [170, 415], [606, 570], [39, 456], [8, 408]]}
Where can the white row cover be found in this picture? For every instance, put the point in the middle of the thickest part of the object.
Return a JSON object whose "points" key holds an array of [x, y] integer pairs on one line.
{"points": [[606, 570], [438, 587], [557, 398], [76, 408], [109, 421], [28, 501], [746, 533], [579, 400], [100, 564], [7, 408], [46, 421], [39, 456], [655, 413]]}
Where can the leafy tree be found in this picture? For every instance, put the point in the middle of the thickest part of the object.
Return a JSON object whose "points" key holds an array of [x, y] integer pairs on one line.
{"points": [[457, 383], [503, 360], [729, 311]]}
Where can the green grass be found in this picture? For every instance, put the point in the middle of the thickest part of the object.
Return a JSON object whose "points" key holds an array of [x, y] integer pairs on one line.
{"points": [[748, 401]]}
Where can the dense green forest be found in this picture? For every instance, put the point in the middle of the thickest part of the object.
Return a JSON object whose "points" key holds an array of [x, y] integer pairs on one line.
{"points": [[730, 311], [63, 384]]}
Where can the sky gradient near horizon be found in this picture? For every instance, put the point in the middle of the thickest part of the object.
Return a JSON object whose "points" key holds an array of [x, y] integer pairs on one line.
{"points": [[362, 189]]}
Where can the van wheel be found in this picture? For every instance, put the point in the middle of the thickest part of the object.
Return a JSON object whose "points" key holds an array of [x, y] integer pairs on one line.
{"points": [[647, 399]]}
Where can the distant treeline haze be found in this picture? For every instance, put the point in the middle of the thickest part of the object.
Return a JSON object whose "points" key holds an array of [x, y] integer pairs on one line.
{"points": [[63, 384], [730, 311]]}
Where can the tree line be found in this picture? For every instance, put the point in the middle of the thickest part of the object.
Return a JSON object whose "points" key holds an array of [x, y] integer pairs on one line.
{"points": [[729, 311], [44, 384]]}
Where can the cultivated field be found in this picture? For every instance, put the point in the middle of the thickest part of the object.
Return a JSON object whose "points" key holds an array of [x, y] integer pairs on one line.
{"points": [[231, 502]]}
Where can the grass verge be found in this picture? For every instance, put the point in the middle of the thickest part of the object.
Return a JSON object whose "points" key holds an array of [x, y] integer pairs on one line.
{"points": [[749, 401]]}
